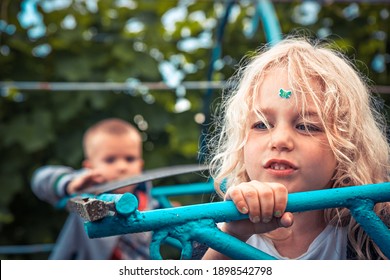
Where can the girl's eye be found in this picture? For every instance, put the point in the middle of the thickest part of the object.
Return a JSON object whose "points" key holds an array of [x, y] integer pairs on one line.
{"points": [[260, 125], [308, 127]]}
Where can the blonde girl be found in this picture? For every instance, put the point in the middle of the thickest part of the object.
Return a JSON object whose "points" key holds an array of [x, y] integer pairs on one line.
{"points": [[300, 118]]}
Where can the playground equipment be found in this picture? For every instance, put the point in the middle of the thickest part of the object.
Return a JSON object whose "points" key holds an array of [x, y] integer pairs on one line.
{"points": [[111, 214]]}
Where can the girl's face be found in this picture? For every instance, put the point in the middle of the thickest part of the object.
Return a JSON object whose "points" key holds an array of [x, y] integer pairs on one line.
{"points": [[292, 151]]}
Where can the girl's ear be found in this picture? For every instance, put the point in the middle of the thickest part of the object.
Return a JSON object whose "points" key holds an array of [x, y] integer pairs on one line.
{"points": [[87, 164]]}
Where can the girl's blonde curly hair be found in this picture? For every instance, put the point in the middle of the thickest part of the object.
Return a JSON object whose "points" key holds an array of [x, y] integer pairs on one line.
{"points": [[355, 129]]}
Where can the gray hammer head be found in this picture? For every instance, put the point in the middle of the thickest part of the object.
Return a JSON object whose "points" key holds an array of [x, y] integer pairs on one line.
{"points": [[91, 209]]}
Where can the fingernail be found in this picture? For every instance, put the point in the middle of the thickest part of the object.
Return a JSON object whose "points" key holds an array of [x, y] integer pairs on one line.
{"points": [[277, 214], [267, 219], [244, 210], [255, 219]]}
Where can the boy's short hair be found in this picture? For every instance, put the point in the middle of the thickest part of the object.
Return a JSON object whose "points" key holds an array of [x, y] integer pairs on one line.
{"points": [[112, 126]]}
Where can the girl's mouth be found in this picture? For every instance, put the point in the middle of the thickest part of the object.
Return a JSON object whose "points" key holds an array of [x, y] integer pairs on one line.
{"points": [[279, 164], [280, 167]]}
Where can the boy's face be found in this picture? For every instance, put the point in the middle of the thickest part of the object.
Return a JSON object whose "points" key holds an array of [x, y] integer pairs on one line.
{"points": [[291, 151], [115, 156]]}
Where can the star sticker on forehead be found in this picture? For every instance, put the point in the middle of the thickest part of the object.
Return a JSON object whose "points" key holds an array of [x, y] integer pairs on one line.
{"points": [[284, 93]]}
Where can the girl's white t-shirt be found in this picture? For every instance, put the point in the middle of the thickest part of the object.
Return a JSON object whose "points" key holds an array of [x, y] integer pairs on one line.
{"points": [[330, 244]]}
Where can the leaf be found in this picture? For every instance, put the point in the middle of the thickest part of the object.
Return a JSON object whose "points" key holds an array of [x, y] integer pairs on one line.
{"points": [[32, 132]]}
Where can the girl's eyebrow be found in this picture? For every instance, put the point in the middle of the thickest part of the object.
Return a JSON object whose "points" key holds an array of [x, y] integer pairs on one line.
{"points": [[264, 111], [270, 111], [311, 114]]}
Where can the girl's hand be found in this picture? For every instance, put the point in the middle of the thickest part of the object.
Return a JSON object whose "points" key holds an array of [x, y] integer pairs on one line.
{"points": [[264, 202]]}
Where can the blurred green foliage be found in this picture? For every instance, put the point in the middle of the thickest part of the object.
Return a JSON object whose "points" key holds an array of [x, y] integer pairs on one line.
{"points": [[129, 41]]}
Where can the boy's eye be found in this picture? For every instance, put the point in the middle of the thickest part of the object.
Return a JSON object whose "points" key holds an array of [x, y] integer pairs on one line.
{"points": [[260, 125], [308, 127], [131, 159], [109, 159]]}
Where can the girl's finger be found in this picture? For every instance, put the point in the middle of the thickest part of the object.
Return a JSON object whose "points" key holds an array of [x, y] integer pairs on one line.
{"points": [[267, 199], [251, 196], [280, 200], [235, 194]]}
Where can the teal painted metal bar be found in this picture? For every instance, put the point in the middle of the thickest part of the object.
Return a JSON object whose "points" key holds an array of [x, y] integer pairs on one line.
{"points": [[272, 30], [161, 194], [26, 249], [183, 189], [227, 244], [197, 222]]}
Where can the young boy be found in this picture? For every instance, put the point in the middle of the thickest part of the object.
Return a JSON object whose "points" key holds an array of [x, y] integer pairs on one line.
{"points": [[113, 151]]}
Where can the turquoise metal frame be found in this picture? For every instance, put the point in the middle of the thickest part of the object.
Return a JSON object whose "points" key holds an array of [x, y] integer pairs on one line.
{"points": [[161, 194], [198, 222]]}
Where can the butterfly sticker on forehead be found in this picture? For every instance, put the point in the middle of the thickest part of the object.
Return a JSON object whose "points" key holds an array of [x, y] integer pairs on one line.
{"points": [[284, 93]]}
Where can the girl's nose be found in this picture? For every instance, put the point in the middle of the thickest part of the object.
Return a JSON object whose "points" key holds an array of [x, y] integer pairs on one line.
{"points": [[281, 138]]}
